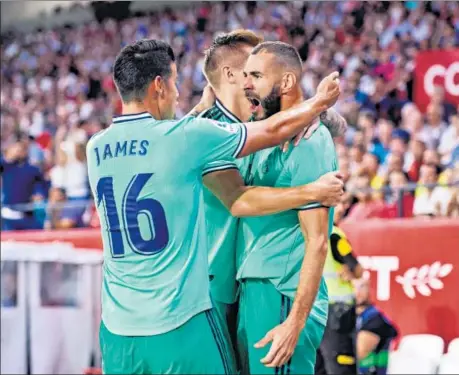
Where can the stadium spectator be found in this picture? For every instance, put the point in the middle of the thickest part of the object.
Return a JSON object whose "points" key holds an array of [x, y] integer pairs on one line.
{"points": [[366, 207], [397, 197], [434, 126], [434, 200], [22, 183], [449, 140], [59, 214], [414, 158]]}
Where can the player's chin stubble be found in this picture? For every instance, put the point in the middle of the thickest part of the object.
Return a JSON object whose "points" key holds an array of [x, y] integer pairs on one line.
{"points": [[272, 102]]}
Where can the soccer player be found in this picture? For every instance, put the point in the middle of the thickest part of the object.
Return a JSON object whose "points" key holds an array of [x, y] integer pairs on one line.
{"points": [[224, 179], [145, 172], [283, 300]]}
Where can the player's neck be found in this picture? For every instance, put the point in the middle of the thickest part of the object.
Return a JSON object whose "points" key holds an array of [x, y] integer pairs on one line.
{"points": [[233, 103], [292, 98], [134, 108]]}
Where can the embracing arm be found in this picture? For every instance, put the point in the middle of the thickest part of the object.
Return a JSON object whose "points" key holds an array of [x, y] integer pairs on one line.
{"points": [[286, 124], [241, 200], [282, 126]]}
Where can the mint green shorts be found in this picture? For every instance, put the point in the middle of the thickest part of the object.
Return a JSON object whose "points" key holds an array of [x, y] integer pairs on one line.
{"points": [[197, 347], [261, 308]]}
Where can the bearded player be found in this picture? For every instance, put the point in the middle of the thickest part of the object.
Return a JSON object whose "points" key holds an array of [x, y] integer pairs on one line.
{"points": [[283, 302]]}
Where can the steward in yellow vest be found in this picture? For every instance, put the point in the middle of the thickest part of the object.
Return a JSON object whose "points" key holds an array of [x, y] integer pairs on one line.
{"points": [[337, 350]]}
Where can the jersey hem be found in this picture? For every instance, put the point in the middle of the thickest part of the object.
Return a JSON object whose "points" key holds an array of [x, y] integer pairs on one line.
{"points": [[148, 331], [310, 206], [219, 168], [242, 140]]}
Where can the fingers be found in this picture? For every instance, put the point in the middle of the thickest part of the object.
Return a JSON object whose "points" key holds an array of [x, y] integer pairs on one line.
{"points": [[338, 175], [282, 356], [286, 146], [265, 340], [279, 360], [333, 76], [272, 354], [310, 131]]}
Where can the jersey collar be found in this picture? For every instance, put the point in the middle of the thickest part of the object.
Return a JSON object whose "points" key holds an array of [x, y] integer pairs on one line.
{"points": [[226, 111], [132, 117]]}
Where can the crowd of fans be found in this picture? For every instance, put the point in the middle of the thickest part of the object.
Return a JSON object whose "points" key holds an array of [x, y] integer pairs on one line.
{"points": [[57, 91]]}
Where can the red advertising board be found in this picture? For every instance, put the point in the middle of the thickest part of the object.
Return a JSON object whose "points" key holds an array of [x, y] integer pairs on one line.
{"points": [[413, 266], [414, 271], [436, 67]]}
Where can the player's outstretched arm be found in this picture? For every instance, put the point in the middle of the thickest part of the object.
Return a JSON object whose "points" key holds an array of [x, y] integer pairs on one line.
{"points": [[284, 337], [286, 124], [242, 200]]}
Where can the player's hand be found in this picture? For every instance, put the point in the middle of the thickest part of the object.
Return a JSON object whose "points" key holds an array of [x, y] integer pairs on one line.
{"points": [[328, 89], [330, 189], [283, 340], [345, 273], [207, 99], [306, 133]]}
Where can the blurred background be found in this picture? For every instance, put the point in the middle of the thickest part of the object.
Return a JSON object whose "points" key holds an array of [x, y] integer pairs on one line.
{"points": [[399, 64]]}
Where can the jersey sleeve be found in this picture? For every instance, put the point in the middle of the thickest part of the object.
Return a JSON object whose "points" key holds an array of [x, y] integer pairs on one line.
{"points": [[212, 141], [219, 165], [310, 160]]}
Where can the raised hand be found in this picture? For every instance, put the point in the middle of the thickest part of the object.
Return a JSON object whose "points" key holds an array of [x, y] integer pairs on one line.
{"points": [[328, 89]]}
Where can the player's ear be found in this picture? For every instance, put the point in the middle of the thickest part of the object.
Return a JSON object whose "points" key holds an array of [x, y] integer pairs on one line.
{"points": [[288, 82], [228, 74], [158, 87]]}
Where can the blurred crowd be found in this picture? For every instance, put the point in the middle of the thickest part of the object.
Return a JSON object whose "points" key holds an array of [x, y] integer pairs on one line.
{"points": [[57, 91]]}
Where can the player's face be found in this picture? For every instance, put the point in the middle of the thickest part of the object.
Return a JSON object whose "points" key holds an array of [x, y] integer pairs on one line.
{"points": [[168, 99], [262, 85]]}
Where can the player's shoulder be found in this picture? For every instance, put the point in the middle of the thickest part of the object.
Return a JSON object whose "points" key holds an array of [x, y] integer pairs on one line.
{"points": [[209, 125], [97, 137], [212, 113]]}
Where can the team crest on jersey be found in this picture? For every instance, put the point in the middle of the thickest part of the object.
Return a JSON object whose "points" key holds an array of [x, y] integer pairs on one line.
{"points": [[265, 168], [230, 128]]}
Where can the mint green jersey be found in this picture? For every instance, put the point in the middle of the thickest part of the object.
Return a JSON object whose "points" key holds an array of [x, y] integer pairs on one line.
{"points": [[272, 247], [146, 178], [221, 225]]}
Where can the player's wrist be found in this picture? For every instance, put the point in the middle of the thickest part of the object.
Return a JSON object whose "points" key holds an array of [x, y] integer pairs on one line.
{"points": [[296, 321], [320, 103], [310, 192]]}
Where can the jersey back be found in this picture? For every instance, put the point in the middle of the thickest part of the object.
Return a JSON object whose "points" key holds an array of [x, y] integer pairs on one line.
{"points": [[221, 225], [145, 176], [272, 247]]}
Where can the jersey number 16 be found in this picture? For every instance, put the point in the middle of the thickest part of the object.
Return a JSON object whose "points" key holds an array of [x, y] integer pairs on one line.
{"points": [[131, 209]]}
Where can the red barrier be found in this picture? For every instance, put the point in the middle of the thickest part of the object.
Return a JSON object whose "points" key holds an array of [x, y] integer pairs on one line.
{"points": [[414, 266]]}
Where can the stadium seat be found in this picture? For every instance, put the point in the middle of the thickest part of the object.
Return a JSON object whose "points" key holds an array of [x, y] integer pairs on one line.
{"points": [[453, 347], [449, 364], [425, 345], [410, 363]]}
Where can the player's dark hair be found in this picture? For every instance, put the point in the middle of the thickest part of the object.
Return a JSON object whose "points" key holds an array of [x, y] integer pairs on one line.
{"points": [[286, 55], [225, 46], [138, 64]]}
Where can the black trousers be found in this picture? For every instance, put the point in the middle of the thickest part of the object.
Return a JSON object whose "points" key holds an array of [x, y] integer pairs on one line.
{"points": [[336, 354]]}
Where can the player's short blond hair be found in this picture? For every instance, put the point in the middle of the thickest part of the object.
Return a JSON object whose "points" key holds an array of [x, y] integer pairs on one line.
{"points": [[227, 48]]}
